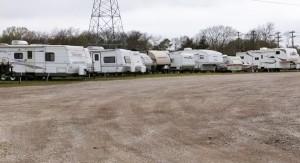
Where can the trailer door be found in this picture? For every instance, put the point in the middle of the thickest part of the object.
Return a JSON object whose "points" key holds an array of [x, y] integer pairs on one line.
{"points": [[30, 62], [97, 62]]}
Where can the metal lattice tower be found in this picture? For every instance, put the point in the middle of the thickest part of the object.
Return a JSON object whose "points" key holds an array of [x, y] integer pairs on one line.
{"points": [[106, 22]]}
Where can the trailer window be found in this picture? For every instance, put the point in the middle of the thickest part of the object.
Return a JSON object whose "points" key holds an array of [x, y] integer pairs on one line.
{"points": [[109, 60], [29, 55], [262, 57], [277, 52], [96, 57], [127, 59], [256, 58], [201, 56], [18, 55], [49, 57], [242, 57]]}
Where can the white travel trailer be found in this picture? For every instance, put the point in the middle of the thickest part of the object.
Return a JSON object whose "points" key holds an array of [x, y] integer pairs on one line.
{"points": [[181, 61], [106, 61], [36, 61], [138, 62], [231, 63], [206, 60], [161, 60], [147, 61], [270, 59]]}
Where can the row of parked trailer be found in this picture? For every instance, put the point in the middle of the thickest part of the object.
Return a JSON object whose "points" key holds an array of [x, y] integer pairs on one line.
{"points": [[38, 61]]}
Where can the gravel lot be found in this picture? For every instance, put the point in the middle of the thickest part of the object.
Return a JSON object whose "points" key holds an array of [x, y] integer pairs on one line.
{"points": [[211, 118]]}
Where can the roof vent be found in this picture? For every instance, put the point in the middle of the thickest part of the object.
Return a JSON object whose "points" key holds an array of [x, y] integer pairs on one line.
{"points": [[95, 48], [19, 42], [264, 48], [188, 49]]}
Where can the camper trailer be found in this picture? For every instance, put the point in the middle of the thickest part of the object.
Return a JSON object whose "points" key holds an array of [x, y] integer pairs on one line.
{"points": [[231, 64], [181, 61], [35, 61], [206, 60], [270, 59], [138, 62], [147, 61], [161, 60], [110, 61]]}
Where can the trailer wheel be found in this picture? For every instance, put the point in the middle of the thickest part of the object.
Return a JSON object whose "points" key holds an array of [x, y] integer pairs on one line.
{"points": [[12, 78], [3, 77]]}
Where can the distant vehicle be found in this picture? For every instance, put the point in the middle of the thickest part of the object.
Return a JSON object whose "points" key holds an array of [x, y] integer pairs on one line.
{"points": [[231, 63], [147, 61], [270, 59], [36, 61], [161, 60], [181, 61], [106, 61], [206, 60]]}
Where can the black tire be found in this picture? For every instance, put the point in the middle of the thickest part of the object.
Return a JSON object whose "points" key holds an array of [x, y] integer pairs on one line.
{"points": [[3, 77]]}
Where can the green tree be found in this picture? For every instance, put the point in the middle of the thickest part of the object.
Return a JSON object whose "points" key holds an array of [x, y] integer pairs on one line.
{"points": [[186, 42], [163, 45], [202, 43], [138, 41]]}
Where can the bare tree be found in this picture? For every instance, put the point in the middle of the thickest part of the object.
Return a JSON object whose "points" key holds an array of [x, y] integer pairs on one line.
{"points": [[266, 32], [155, 39], [217, 37], [17, 33]]}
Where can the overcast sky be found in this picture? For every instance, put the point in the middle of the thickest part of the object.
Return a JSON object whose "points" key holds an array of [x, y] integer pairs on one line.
{"points": [[168, 18]]}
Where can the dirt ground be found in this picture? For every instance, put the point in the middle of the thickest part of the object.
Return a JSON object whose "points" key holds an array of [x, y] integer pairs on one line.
{"points": [[211, 118]]}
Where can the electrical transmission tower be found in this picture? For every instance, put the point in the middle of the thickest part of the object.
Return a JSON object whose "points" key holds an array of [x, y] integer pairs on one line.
{"points": [[106, 24]]}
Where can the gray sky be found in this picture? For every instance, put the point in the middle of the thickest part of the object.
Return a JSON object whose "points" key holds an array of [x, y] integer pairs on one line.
{"points": [[168, 18]]}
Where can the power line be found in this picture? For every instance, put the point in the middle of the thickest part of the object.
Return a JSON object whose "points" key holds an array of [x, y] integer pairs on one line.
{"points": [[278, 3]]}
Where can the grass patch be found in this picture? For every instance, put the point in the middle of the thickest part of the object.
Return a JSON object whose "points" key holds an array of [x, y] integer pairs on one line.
{"points": [[73, 80]]}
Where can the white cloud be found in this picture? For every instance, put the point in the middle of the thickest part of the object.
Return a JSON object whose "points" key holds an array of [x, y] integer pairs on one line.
{"points": [[169, 18]]}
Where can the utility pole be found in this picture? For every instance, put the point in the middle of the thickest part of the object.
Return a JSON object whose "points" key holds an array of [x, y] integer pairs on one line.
{"points": [[278, 37], [293, 38], [106, 23], [239, 41], [253, 39], [239, 34]]}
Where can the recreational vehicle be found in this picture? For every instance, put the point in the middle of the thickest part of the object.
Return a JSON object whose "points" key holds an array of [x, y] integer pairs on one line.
{"points": [[206, 60], [147, 61], [108, 61], [231, 63], [161, 60], [138, 62], [270, 59], [35, 61], [181, 61]]}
